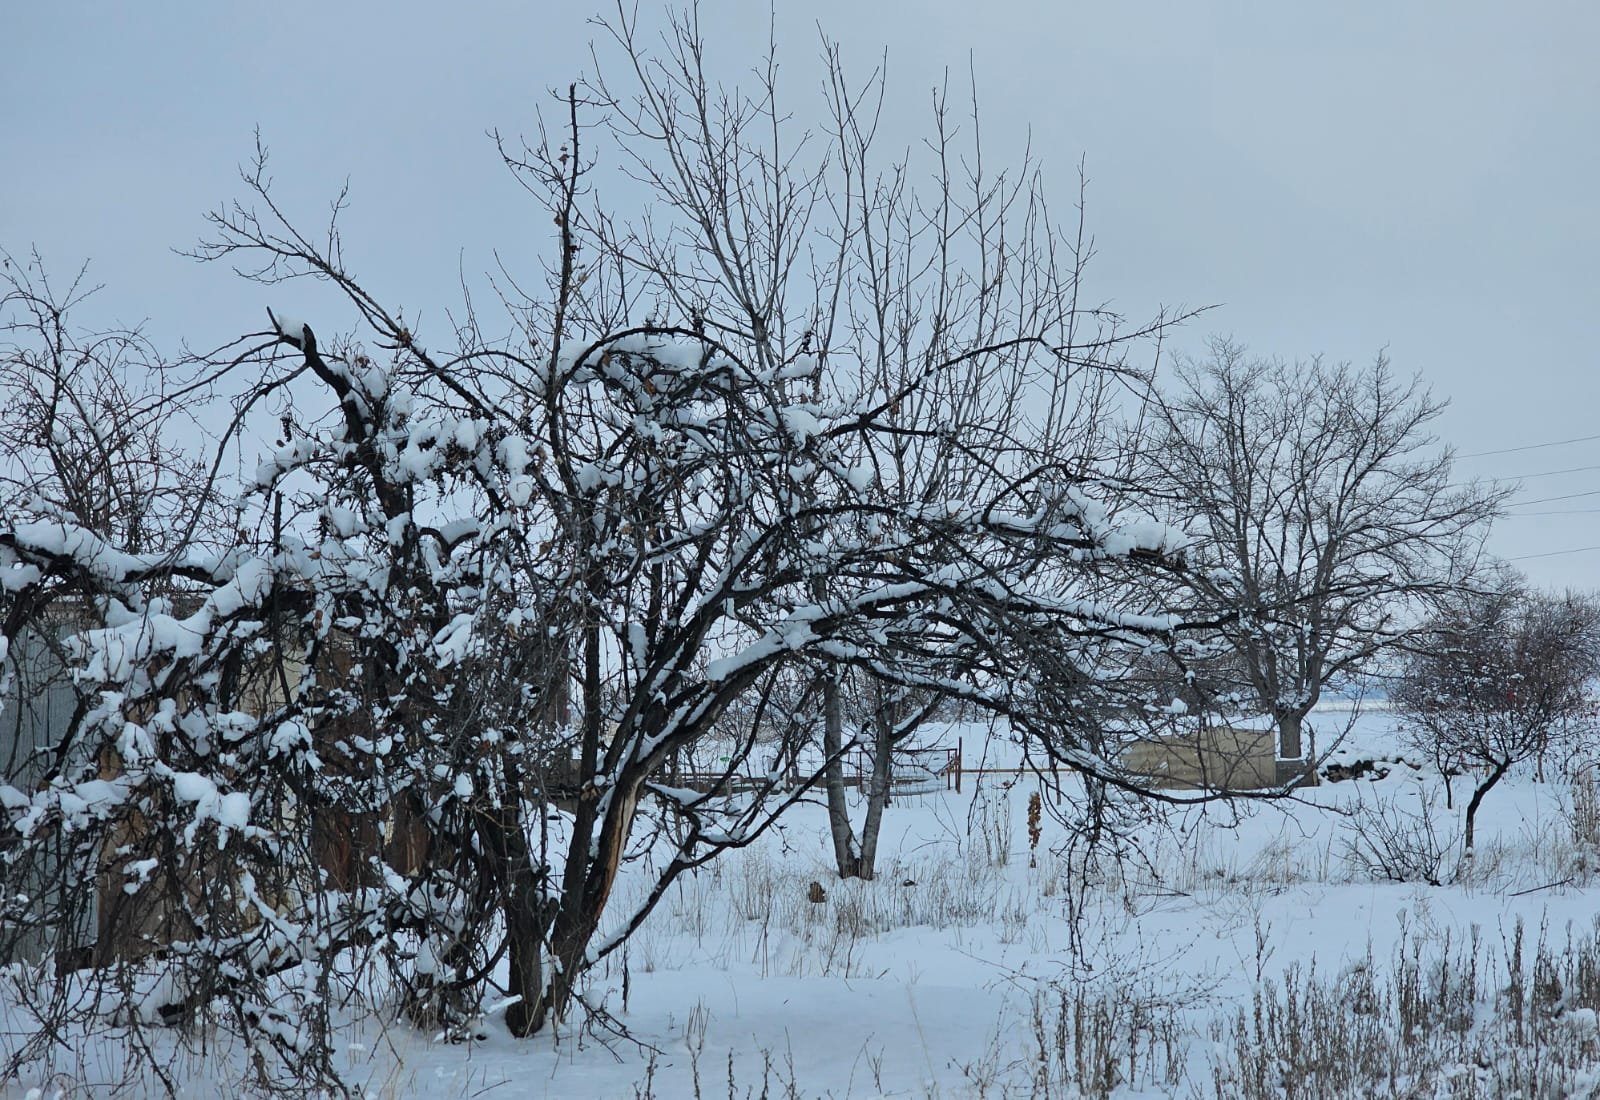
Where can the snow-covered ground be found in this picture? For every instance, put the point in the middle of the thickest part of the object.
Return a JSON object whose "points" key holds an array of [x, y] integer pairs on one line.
{"points": [[955, 973]]}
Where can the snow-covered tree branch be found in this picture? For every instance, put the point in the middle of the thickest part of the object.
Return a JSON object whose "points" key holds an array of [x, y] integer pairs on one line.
{"points": [[768, 423]]}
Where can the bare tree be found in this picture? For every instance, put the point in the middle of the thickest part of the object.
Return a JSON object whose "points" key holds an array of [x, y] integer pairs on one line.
{"points": [[979, 274], [1326, 508], [481, 604], [1500, 679], [86, 420]]}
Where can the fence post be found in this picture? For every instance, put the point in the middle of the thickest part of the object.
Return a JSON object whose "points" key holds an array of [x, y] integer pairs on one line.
{"points": [[958, 765]]}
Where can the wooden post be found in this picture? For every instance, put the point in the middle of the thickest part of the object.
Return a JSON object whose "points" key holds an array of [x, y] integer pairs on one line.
{"points": [[958, 765]]}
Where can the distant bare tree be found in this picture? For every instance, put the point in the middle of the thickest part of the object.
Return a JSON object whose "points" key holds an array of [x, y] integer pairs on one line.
{"points": [[1500, 678], [1326, 509]]}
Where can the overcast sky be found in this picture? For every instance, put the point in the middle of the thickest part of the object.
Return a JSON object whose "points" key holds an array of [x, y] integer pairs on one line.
{"points": [[1415, 177]]}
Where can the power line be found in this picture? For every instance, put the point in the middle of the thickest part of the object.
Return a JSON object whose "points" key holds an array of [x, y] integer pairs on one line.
{"points": [[1549, 473], [1531, 447], [1554, 553], [1553, 512], [1520, 477], [1552, 500], [1548, 500]]}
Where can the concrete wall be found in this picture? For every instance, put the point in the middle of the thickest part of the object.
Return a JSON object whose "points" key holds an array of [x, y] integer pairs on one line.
{"points": [[1216, 758]]}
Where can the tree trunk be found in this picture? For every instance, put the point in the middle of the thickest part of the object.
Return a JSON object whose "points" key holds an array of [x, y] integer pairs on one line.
{"points": [[527, 914], [1477, 800], [525, 932], [878, 791], [1290, 746], [578, 916], [575, 915], [846, 853]]}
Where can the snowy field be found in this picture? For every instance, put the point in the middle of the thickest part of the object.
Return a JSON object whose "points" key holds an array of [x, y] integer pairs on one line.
{"points": [[1243, 950]]}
